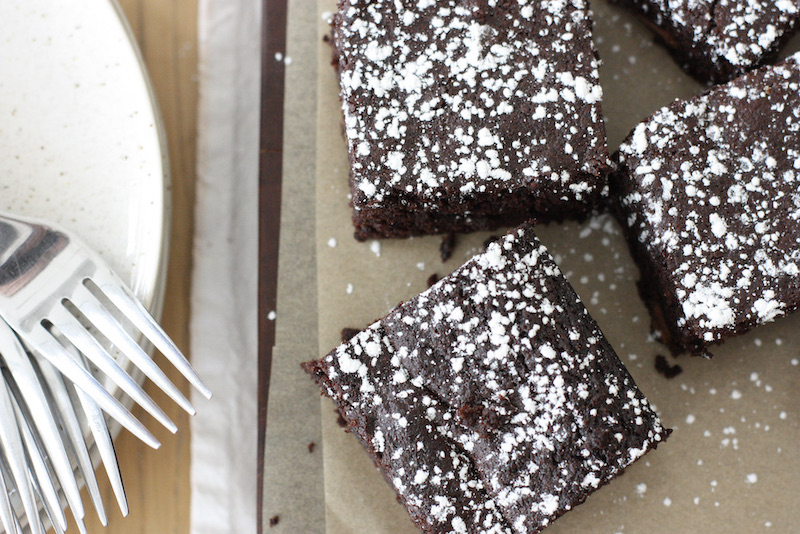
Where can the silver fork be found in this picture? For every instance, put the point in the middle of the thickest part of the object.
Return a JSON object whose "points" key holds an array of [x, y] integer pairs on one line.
{"points": [[42, 427], [70, 311]]}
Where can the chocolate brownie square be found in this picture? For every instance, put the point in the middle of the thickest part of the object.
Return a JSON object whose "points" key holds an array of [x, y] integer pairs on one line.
{"points": [[717, 40], [465, 115], [491, 402], [709, 193]]}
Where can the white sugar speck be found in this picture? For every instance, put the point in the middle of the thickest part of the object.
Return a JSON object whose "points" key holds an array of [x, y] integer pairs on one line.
{"points": [[278, 56], [667, 501], [349, 289], [421, 266], [271, 315], [641, 489], [332, 242], [375, 247], [718, 227], [736, 394], [690, 419], [751, 478]]}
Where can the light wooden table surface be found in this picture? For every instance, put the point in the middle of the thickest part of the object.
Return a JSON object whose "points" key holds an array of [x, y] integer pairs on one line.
{"points": [[157, 481]]}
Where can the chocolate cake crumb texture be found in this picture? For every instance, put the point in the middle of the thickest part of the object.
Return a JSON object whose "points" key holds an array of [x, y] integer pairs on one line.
{"points": [[446, 246], [491, 402], [348, 332], [710, 193], [665, 368], [721, 39], [432, 279], [489, 240], [467, 115]]}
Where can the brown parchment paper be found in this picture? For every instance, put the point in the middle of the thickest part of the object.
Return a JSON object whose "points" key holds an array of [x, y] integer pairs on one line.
{"points": [[731, 464], [293, 496]]}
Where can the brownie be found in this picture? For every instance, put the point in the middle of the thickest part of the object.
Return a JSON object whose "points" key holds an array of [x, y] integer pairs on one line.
{"points": [[491, 402], [466, 115], [708, 190], [717, 40]]}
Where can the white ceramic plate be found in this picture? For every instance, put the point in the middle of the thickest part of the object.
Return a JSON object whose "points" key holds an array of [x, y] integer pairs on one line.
{"points": [[81, 140], [80, 136]]}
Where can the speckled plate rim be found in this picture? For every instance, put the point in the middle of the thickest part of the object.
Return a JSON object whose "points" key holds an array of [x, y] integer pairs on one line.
{"points": [[150, 287]]}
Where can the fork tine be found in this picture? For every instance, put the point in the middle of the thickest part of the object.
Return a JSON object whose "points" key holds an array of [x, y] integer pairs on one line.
{"points": [[15, 452], [105, 447], [49, 348], [17, 524], [76, 333], [40, 440], [101, 318], [60, 398], [38, 471], [26, 388], [110, 285], [6, 511], [7, 514], [48, 510], [47, 493]]}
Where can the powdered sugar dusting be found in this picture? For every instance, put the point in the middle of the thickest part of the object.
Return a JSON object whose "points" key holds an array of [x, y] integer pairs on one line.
{"points": [[723, 39], [471, 434], [734, 267], [414, 144], [512, 375]]}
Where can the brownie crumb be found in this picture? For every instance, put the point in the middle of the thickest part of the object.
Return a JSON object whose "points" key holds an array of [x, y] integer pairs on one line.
{"points": [[311, 446], [447, 246], [480, 419], [664, 368], [348, 333], [341, 420], [274, 520], [489, 240], [432, 279]]}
